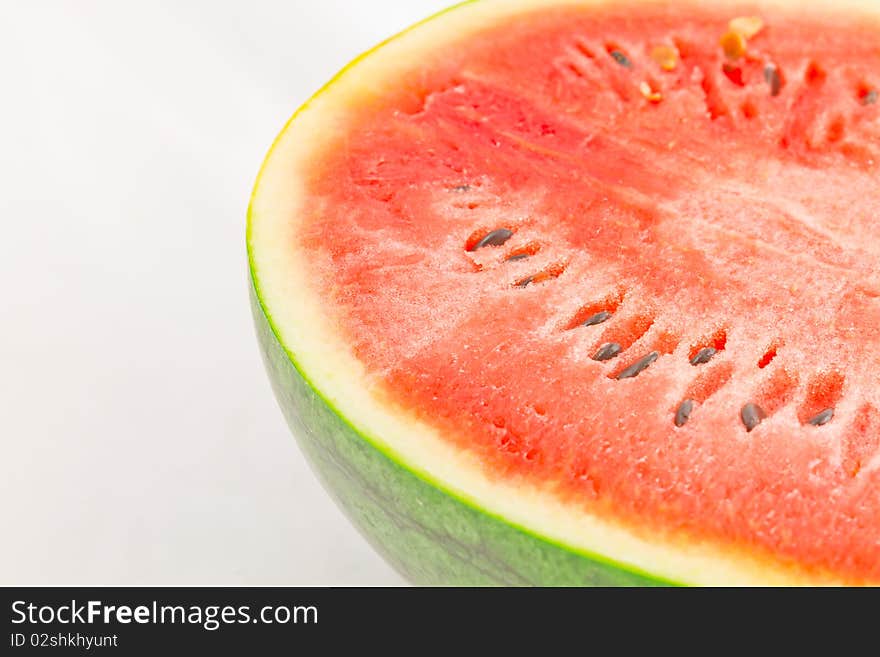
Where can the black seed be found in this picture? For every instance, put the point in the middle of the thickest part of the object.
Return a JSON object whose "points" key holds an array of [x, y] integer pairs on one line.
{"points": [[607, 351], [751, 415], [870, 98], [621, 58], [822, 418], [639, 366], [461, 189], [598, 318], [704, 355], [496, 238], [517, 256], [683, 412], [772, 77]]}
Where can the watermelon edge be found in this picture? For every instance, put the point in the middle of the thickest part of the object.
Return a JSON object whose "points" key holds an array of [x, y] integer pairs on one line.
{"points": [[426, 532]]}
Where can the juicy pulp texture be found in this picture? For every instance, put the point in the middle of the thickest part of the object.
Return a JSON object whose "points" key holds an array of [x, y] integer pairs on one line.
{"points": [[716, 202]]}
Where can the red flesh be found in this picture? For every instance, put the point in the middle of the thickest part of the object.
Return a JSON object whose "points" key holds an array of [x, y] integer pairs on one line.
{"points": [[719, 216]]}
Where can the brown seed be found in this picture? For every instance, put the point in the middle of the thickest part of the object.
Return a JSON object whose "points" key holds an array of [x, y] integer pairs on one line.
{"points": [[665, 56], [607, 351], [822, 418], [734, 44], [683, 412], [639, 366], [496, 237], [748, 26], [751, 415], [598, 318], [517, 256], [703, 356]]}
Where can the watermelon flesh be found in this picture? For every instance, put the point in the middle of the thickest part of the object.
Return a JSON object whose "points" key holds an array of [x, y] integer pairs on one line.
{"points": [[580, 181]]}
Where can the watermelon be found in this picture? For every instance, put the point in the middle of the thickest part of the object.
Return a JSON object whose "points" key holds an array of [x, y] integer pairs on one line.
{"points": [[570, 293]]}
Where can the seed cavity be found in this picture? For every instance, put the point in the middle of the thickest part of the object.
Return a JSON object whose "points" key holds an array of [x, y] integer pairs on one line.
{"points": [[588, 312], [751, 415], [823, 393], [703, 356], [773, 78], [523, 252], [768, 356], [534, 279], [627, 330], [548, 274], [639, 366], [607, 351], [815, 75], [733, 73], [496, 237], [584, 49], [709, 382], [822, 418], [683, 412], [598, 318]]}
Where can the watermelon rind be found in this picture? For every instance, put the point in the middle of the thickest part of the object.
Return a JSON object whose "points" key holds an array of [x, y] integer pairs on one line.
{"points": [[432, 513]]}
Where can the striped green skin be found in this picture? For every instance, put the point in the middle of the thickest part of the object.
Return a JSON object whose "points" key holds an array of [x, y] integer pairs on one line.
{"points": [[429, 535]]}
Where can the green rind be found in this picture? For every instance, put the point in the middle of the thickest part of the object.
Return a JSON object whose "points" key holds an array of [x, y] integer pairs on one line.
{"points": [[426, 533]]}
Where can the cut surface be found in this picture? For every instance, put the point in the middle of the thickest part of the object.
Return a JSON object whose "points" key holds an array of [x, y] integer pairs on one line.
{"points": [[626, 254]]}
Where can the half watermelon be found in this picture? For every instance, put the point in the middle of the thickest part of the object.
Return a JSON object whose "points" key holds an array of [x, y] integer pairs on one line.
{"points": [[560, 292]]}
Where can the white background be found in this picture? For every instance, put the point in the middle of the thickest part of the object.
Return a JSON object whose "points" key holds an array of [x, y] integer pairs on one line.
{"points": [[140, 440]]}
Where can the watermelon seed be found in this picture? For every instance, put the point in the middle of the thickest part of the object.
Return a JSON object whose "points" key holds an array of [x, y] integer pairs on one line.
{"points": [[665, 56], [553, 271], [517, 256], [870, 97], [607, 351], [822, 418], [703, 356], [461, 189], [540, 277], [495, 238], [598, 318], [683, 412], [773, 78], [649, 92], [621, 58], [639, 366], [751, 415], [733, 44], [748, 26]]}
